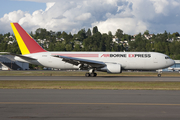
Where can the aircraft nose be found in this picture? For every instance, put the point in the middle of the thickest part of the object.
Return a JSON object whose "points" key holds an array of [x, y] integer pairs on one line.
{"points": [[172, 62]]}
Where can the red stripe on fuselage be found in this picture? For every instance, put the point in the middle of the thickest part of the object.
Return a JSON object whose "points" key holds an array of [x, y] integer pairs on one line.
{"points": [[30, 43], [78, 55]]}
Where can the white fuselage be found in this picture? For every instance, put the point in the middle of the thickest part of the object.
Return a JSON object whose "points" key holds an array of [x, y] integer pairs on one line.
{"points": [[128, 60]]}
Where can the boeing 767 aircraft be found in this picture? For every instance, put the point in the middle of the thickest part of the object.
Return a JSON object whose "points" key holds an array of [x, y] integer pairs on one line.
{"points": [[110, 62]]}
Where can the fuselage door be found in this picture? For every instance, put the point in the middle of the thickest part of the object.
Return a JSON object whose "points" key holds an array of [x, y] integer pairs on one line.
{"points": [[155, 60]]}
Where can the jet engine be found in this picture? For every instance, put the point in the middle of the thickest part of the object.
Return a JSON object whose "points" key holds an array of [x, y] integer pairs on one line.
{"points": [[112, 68]]}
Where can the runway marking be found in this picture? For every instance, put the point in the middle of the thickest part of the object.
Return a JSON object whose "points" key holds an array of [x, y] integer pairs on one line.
{"points": [[59, 103]]}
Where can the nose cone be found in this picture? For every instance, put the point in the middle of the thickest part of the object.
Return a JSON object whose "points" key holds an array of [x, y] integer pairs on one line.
{"points": [[171, 62]]}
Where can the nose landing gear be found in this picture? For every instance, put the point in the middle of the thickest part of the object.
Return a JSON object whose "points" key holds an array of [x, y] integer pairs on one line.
{"points": [[159, 73]]}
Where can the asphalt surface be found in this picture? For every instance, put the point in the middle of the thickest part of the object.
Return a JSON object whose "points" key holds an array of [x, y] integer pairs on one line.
{"points": [[82, 78], [42, 104]]}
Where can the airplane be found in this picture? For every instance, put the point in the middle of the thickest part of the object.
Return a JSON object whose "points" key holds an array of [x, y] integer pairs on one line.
{"points": [[110, 62], [174, 69]]}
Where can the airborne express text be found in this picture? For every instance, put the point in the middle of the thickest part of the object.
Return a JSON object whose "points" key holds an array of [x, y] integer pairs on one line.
{"points": [[129, 55]]}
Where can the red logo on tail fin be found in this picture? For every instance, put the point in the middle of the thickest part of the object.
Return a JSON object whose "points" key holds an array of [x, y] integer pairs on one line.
{"points": [[29, 42]]}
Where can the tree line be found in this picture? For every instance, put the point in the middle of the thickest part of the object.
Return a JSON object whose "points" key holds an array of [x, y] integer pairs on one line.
{"points": [[95, 41]]}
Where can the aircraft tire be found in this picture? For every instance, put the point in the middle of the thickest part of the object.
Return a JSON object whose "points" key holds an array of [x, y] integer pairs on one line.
{"points": [[87, 75], [93, 74], [159, 75]]}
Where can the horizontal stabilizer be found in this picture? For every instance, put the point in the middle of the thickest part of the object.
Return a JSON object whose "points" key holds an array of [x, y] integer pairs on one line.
{"points": [[23, 57]]}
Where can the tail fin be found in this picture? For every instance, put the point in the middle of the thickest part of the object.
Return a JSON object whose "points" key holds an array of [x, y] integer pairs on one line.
{"points": [[26, 43]]}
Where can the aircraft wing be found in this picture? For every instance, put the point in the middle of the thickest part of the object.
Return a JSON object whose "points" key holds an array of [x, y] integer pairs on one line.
{"points": [[82, 62]]}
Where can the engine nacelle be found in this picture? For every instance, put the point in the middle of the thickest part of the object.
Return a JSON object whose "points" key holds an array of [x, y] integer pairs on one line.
{"points": [[112, 68]]}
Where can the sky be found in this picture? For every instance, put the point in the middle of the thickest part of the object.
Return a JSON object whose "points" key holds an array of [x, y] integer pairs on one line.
{"points": [[131, 16]]}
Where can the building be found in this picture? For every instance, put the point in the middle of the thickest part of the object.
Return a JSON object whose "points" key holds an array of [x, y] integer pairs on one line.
{"points": [[7, 62]]}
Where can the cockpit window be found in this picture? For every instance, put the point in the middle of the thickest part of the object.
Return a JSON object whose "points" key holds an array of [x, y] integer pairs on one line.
{"points": [[167, 57]]}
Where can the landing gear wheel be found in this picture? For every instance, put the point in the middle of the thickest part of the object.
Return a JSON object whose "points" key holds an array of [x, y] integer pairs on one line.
{"points": [[93, 74], [159, 75], [87, 75]]}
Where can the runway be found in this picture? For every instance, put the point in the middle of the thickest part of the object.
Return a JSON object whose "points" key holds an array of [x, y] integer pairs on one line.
{"points": [[41, 104], [81, 78], [53, 104]]}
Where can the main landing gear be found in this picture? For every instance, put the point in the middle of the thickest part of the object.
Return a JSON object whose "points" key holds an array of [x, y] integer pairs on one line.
{"points": [[91, 73]]}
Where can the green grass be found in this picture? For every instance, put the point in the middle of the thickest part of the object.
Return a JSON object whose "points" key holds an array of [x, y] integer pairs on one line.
{"points": [[80, 73], [112, 85]]}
